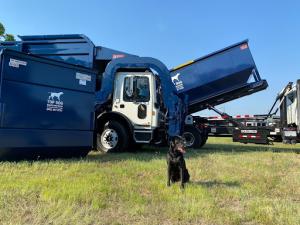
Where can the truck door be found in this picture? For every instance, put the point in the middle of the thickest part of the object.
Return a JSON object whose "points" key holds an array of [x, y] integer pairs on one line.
{"points": [[132, 98]]}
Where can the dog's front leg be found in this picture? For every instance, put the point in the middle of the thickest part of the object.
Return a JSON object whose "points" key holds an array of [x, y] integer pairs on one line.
{"points": [[169, 175], [181, 177]]}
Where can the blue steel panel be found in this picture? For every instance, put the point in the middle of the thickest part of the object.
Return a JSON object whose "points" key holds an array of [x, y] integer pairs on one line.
{"points": [[16, 46], [35, 94], [22, 144], [43, 105], [27, 106], [217, 87], [32, 138], [47, 72], [217, 74], [215, 68], [103, 53], [76, 49]]}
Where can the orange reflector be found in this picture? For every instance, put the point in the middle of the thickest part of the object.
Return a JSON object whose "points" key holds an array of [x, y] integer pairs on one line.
{"points": [[183, 65], [244, 46]]}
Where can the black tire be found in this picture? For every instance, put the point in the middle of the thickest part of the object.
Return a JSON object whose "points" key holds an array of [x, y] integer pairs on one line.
{"points": [[277, 139], [285, 141], [84, 153], [107, 141], [134, 147], [293, 142], [203, 141], [191, 132]]}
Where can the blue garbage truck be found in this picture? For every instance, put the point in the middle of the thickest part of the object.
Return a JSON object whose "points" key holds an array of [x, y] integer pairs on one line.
{"points": [[60, 95]]}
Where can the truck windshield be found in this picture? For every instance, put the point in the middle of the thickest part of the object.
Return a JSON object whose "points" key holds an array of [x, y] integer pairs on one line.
{"points": [[136, 89]]}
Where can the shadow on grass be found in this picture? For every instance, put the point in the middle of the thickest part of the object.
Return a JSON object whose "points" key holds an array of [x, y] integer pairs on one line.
{"points": [[248, 148], [154, 153], [216, 183]]}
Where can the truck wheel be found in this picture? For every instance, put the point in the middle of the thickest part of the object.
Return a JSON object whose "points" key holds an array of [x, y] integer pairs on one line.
{"points": [[134, 147], [285, 141], [112, 138], [192, 136], [203, 141]]}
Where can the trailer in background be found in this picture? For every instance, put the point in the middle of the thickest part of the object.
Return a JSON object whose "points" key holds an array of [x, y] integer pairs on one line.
{"points": [[224, 125], [285, 128]]}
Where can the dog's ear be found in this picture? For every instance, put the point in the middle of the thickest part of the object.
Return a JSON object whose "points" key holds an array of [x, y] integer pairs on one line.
{"points": [[172, 144], [176, 140]]}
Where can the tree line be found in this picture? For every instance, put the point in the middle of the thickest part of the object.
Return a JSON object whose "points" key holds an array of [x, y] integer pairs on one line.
{"points": [[5, 36]]}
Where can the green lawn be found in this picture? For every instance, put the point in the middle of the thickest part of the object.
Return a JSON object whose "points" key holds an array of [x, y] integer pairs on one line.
{"points": [[230, 184]]}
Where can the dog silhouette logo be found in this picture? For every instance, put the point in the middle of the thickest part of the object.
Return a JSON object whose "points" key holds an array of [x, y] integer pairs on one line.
{"points": [[175, 78], [177, 82], [55, 95]]}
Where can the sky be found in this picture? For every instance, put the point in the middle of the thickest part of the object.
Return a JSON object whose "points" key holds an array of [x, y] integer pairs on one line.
{"points": [[176, 32]]}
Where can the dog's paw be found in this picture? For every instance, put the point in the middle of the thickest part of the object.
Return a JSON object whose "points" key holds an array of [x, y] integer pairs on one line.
{"points": [[168, 184]]}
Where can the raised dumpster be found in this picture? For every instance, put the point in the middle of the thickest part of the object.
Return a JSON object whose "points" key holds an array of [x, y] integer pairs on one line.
{"points": [[44, 104], [219, 77]]}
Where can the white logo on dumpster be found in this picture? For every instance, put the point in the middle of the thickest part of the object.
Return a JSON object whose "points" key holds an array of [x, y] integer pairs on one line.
{"points": [[16, 63], [177, 82], [54, 102], [83, 78]]}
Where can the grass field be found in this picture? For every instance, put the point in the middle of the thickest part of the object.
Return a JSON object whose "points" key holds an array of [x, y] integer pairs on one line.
{"points": [[230, 184]]}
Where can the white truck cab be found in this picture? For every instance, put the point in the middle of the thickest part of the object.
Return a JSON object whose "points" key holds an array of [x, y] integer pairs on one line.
{"points": [[138, 115], [136, 97]]}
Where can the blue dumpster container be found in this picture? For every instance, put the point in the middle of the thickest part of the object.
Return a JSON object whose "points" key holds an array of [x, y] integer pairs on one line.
{"points": [[219, 77], [46, 107]]}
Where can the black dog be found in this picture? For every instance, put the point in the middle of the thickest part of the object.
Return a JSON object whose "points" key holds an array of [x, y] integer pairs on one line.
{"points": [[177, 170]]}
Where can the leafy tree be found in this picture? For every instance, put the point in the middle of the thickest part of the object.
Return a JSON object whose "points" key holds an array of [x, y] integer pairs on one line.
{"points": [[9, 37], [2, 30], [4, 36]]}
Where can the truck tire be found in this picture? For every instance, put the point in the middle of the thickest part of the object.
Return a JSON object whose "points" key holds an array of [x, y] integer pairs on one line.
{"points": [[193, 137], [134, 147], [203, 141], [112, 138]]}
